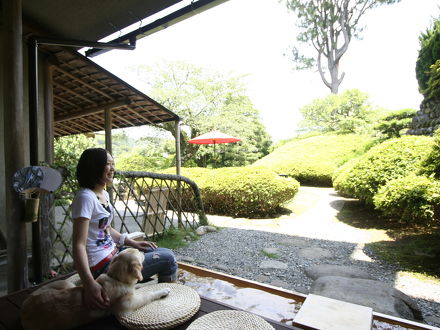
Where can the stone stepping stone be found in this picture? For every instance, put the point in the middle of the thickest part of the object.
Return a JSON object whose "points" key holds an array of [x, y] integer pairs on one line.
{"points": [[382, 297], [294, 242], [317, 271], [273, 264], [279, 283], [271, 251], [314, 253], [186, 259]]}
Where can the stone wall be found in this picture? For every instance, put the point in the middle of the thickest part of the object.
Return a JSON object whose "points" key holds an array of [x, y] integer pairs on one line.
{"points": [[427, 119]]}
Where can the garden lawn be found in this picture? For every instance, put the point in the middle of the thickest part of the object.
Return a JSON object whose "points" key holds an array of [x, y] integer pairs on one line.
{"points": [[313, 160]]}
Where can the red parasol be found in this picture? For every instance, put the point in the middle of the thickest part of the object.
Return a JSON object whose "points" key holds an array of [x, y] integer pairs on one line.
{"points": [[214, 137]]}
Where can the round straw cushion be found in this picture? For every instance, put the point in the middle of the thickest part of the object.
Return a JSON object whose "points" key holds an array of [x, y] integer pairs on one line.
{"points": [[230, 320], [165, 313]]}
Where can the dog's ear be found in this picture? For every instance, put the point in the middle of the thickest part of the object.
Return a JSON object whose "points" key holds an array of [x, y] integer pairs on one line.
{"points": [[135, 270], [118, 268]]}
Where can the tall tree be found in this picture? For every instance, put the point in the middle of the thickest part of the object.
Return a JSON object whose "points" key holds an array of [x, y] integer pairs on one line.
{"points": [[207, 100], [349, 112], [329, 26]]}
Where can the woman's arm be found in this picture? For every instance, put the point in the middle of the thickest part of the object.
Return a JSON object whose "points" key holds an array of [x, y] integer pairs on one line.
{"points": [[121, 239], [95, 296]]}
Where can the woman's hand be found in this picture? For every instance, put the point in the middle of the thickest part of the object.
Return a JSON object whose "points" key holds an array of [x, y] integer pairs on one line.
{"points": [[143, 245], [95, 296]]}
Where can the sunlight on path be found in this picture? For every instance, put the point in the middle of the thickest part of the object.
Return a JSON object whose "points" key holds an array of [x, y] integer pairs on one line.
{"points": [[318, 221]]}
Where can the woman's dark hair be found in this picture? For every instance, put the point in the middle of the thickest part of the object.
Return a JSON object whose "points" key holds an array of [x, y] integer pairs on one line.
{"points": [[90, 167]]}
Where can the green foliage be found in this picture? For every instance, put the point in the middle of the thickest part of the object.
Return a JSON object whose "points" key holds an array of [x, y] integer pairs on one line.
{"points": [[429, 53], [432, 90], [207, 100], [135, 162], [313, 160], [68, 149], [393, 124], [246, 191], [431, 164], [410, 199], [348, 112], [175, 238], [328, 26], [242, 191], [384, 162]]}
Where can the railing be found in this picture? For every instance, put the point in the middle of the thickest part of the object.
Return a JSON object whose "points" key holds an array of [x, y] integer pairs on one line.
{"points": [[146, 202]]}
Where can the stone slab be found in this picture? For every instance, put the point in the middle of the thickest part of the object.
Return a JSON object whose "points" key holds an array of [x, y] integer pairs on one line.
{"points": [[382, 297], [318, 312], [273, 264], [317, 271], [314, 253]]}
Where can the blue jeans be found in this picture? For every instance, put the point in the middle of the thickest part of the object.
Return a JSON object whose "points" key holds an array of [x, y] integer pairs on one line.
{"points": [[160, 261]]}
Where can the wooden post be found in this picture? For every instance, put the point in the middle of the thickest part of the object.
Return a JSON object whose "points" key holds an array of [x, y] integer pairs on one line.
{"points": [[14, 142], [33, 148], [108, 139], [179, 186], [47, 200], [178, 157]]}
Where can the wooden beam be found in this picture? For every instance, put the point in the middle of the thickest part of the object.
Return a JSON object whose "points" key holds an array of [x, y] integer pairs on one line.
{"points": [[82, 82], [69, 90], [14, 142], [241, 282], [66, 101], [90, 111], [299, 297], [115, 115]]}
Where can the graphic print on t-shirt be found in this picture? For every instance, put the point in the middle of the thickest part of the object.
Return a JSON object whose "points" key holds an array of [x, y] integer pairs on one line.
{"points": [[104, 237]]}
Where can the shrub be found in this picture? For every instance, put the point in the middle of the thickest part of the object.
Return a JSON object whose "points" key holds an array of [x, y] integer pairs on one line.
{"points": [[410, 199], [387, 161], [241, 191], [393, 123], [246, 191], [313, 160], [429, 53], [432, 91], [431, 164]]}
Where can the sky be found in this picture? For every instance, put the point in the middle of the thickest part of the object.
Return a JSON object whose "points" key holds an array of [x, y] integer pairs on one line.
{"points": [[253, 37]]}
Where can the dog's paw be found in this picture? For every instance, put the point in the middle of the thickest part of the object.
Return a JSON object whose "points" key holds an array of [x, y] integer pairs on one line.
{"points": [[164, 292]]}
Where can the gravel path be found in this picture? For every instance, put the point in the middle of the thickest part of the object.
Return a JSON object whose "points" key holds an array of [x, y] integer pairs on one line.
{"points": [[295, 243]]}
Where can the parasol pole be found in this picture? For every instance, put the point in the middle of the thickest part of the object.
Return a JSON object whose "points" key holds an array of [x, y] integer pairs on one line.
{"points": [[214, 156]]}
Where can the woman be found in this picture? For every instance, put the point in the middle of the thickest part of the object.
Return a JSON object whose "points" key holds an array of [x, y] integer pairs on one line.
{"points": [[95, 241]]}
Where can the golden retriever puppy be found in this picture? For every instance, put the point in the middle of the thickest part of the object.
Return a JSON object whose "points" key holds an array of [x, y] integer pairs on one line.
{"points": [[59, 305]]}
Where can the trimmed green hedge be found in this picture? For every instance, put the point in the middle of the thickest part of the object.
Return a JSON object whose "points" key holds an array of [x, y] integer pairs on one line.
{"points": [[313, 160], [431, 164], [411, 199], [242, 191], [387, 161]]}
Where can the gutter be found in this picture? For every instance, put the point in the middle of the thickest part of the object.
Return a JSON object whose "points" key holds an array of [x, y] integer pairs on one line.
{"points": [[179, 15]]}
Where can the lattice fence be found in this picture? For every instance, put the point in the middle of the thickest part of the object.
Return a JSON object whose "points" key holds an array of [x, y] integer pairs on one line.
{"points": [[145, 202]]}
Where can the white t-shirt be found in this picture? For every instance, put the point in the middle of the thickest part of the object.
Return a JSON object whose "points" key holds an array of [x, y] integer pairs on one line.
{"points": [[99, 241]]}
